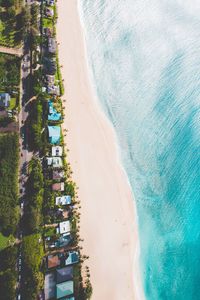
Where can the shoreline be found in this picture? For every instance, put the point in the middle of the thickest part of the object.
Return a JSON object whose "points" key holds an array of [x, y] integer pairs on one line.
{"points": [[108, 214]]}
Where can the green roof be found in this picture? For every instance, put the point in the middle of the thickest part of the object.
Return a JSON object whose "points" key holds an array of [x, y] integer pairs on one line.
{"points": [[64, 289]]}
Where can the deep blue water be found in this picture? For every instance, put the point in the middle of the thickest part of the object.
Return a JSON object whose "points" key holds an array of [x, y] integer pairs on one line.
{"points": [[145, 62]]}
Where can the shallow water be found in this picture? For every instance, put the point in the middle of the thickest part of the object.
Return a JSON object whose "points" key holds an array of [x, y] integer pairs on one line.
{"points": [[145, 62]]}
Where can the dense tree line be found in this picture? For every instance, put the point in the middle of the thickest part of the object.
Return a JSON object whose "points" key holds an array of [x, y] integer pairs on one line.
{"points": [[9, 157], [33, 278], [8, 274], [35, 191]]}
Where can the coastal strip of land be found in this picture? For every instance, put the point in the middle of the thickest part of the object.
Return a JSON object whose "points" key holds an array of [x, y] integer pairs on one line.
{"points": [[108, 213]]}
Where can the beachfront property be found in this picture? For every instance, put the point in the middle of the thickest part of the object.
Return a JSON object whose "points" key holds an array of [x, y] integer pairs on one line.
{"points": [[49, 12], [4, 100], [52, 45], [55, 290], [57, 151], [54, 161], [64, 274], [48, 31], [53, 261], [64, 289], [50, 79], [64, 227], [50, 2], [58, 187], [64, 200], [54, 134], [72, 258], [51, 66], [58, 174], [50, 286], [53, 114]]}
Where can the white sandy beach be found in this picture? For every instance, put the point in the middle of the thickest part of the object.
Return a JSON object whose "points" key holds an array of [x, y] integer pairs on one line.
{"points": [[108, 214]]}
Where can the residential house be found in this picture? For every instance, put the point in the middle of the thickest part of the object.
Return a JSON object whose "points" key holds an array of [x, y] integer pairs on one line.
{"points": [[53, 114], [55, 162], [64, 274], [52, 45], [4, 100], [49, 12], [64, 200], [58, 187], [58, 174], [64, 289], [50, 286], [56, 151], [53, 261], [72, 258], [64, 227], [50, 2], [54, 134]]}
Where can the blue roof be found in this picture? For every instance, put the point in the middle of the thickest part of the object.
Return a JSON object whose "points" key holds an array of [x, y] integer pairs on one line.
{"points": [[53, 114], [72, 258], [64, 289], [54, 134]]}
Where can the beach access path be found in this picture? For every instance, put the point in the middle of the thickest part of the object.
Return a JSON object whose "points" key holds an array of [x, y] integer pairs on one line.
{"points": [[13, 51], [108, 212]]}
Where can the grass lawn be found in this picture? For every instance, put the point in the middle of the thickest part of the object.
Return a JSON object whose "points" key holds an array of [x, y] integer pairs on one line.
{"points": [[12, 103], [4, 241], [46, 22]]}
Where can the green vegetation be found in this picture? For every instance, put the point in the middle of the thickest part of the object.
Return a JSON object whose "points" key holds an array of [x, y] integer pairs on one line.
{"points": [[8, 259], [9, 156], [9, 72], [35, 191], [12, 103], [36, 124], [11, 22], [5, 241], [33, 279]]}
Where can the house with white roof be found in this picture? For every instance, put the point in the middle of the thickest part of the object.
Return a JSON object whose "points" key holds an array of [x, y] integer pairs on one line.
{"points": [[56, 151], [64, 200], [64, 227]]}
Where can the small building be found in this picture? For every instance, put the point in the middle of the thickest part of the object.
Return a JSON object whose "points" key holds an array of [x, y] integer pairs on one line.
{"points": [[47, 31], [52, 45], [64, 289], [72, 258], [56, 151], [64, 274], [63, 240], [53, 114], [64, 200], [49, 12], [53, 261], [55, 162], [53, 90], [58, 187], [54, 134], [50, 2], [58, 174], [51, 66], [64, 227], [50, 79], [49, 286], [4, 100]]}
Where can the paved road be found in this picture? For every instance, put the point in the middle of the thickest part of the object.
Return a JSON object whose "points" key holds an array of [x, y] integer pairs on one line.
{"points": [[25, 154]]}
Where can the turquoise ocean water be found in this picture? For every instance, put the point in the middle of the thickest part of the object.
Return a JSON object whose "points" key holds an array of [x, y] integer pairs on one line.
{"points": [[145, 62]]}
